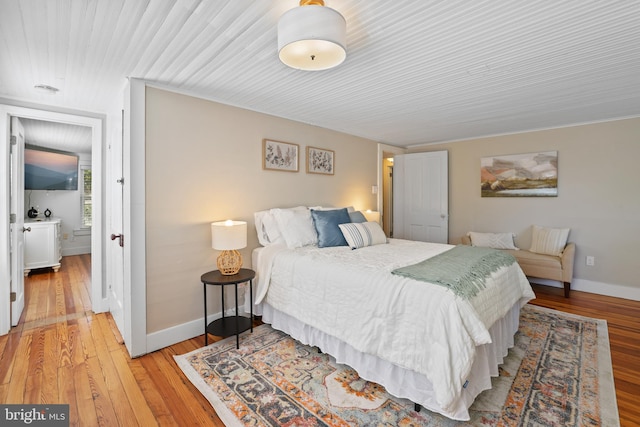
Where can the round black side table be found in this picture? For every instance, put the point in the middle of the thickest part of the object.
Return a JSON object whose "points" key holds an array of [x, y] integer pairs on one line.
{"points": [[234, 325]]}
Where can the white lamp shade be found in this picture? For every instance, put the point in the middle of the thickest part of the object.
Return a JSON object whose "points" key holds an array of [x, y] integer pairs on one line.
{"points": [[228, 235], [312, 38]]}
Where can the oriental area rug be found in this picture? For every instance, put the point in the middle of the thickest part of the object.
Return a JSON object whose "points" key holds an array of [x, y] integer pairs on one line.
{"points": [[558, 374]]}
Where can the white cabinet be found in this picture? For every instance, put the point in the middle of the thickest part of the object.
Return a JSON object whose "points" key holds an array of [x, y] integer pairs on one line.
{"points": [[42, 244]]}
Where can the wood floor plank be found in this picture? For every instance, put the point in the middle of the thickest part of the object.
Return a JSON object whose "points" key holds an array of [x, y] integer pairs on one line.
{"points": [[67, 392], [8, 356], [174, 390], [20, 371], [105, 411], [154, 398], [49, 392], [84, 397], [123, 410], [143, 414], [61, 352]]}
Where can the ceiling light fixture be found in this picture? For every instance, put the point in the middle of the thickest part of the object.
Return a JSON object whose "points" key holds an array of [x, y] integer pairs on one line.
{"points": [[46, 89], [312, 37]]}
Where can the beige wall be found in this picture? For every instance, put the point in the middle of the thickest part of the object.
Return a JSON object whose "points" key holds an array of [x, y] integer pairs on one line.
{"points": [[598, 195], [203, 164]]}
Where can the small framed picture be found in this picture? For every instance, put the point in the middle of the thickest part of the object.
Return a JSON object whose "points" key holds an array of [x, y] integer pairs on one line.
{"points": [[320, 161], [279, 156]]}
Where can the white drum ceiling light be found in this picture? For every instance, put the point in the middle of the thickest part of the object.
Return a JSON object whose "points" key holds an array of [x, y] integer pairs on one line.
{"points": [[312, 37]]}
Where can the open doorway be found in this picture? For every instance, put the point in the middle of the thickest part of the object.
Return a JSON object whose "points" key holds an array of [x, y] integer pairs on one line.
{"points": [[387, 194], [43, 200], [385, 182]]}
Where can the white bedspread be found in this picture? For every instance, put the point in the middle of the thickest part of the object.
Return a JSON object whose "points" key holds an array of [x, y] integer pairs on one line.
{"points": [[352, 295]]}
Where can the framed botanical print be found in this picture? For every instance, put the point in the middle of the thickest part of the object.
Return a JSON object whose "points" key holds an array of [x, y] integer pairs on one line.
{"points": [[320, 161], [280, 156]]}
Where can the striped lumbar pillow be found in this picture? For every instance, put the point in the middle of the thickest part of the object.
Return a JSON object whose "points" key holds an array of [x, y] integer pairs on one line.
{"points": [[549, 241], [363, 234]]}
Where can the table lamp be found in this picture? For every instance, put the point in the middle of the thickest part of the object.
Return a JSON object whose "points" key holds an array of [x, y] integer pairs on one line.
{"points": [[373, 216], [229, 236]]}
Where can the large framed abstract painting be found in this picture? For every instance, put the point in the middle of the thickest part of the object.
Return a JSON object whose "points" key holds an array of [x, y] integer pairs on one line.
{"points": [[520, 175], [279, 156]]}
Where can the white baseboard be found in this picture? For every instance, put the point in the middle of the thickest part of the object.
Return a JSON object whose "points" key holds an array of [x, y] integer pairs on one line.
{"points": [[76, 251], [185, 331], [609, 289]]}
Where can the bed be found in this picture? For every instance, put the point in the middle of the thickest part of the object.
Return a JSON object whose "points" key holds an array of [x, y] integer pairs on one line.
{"points": [[420, 340]]}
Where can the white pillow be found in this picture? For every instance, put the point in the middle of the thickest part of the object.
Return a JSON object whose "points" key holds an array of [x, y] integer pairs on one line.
{"points": [[271, 228], [361, 234], [296, 226], [549, 241], [492, 240], [263, 237]]}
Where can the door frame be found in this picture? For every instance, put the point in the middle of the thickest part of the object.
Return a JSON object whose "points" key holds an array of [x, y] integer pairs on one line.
{"points": [[384, 150], [98, 302]]}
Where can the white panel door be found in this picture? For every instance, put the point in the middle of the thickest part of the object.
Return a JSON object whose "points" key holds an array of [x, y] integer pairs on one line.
{"points": [[421, 199], [17, 227], [115, 250]]}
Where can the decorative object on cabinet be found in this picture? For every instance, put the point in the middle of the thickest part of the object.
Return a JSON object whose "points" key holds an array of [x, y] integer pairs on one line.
{"points": [[47, 213], [42, 245], [520, 175], [229, 236], [320, 161], [312, 37], [279, 156], [32, 213]]}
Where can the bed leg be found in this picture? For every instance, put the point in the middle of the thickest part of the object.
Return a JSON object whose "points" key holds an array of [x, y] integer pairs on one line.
{"points": [[417, 407]]}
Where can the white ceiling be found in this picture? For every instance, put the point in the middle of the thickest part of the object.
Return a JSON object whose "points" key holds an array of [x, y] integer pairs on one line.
{"points": [[417, 71], [59, 136]]}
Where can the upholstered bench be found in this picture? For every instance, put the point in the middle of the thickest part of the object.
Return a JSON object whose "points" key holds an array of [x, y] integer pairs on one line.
{"points": [[544, 266]]}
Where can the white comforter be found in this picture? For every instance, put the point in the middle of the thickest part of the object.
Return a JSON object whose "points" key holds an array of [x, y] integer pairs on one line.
{"points": [[352, 295]]}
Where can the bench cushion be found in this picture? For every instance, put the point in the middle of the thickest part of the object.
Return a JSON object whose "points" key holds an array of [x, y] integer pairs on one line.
{"points": [[539, 265]]}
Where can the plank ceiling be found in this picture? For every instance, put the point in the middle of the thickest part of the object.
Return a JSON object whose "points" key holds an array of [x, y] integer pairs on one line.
{"points": [[417, 71]]}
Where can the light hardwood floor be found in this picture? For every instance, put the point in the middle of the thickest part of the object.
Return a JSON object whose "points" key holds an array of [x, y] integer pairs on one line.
{"points": [[61, 352]]}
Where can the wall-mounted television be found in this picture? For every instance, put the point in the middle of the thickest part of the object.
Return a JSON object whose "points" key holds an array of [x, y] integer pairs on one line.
{"points": [[50, 170]]}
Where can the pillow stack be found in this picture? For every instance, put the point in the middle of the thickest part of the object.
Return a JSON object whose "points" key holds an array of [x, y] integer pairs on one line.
{"points": [[324, 227]]}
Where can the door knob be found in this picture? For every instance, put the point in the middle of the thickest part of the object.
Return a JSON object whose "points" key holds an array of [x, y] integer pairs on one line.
{"points": [[120, 238], [26, 229]]}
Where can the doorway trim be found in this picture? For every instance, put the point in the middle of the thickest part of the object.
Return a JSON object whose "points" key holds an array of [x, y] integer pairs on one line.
{"points": [[98, 302], [383, 150]]}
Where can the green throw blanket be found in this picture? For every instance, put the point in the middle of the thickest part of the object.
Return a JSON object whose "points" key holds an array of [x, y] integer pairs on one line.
{"points": [[463, 269]]}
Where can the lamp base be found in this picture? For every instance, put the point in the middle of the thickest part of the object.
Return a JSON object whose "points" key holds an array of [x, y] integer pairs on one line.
{"points": [[229, 262]]}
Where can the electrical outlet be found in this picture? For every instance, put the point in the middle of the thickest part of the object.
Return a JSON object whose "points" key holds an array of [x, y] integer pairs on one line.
{"points": [[65, 236], [591, 260]]}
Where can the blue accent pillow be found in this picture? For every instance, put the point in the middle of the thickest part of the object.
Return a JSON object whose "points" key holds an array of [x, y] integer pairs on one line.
{"points": [[357, 216], [326, 224]]}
